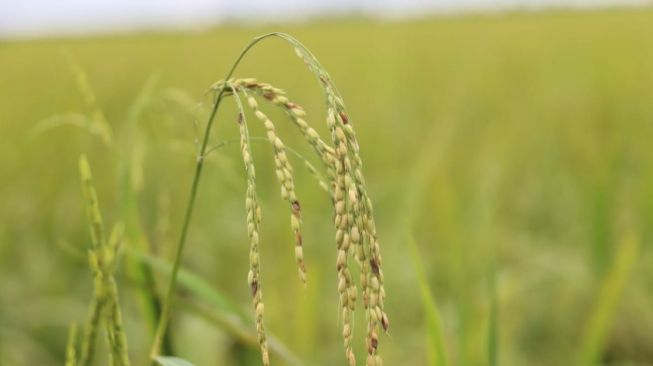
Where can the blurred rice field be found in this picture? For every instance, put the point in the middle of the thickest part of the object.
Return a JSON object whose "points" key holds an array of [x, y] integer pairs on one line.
{"points": [[509, 157]]}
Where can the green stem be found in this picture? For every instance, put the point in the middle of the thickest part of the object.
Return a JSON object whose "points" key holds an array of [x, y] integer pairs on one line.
{"points": [[165, 312]]}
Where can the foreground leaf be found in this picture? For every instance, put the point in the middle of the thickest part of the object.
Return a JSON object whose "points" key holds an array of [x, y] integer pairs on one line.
{"points": [[229, 316], [601, 317], [172, 361]]}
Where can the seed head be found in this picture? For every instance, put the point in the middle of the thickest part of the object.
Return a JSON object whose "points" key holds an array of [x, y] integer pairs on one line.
{"points": [[353, 219]]}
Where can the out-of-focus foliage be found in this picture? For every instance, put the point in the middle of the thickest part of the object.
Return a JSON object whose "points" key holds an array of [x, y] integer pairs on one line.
{"points": [[515, 146]]}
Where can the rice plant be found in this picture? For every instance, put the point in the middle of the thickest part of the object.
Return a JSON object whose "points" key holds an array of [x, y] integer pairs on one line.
{"points": [[355, 229], [104, 313]]}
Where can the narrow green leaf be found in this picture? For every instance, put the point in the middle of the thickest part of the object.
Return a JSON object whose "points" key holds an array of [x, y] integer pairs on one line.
{"points": [[172, 361], [193, 283], [493, 328], [436, 348], [131, 170], [230, 317], [598, 325], [237, 328]]}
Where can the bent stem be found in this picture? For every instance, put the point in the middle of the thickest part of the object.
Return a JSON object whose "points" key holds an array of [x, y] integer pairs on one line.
{"points": [[165, 312]]}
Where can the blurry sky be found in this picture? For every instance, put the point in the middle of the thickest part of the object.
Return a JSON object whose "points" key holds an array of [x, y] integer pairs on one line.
{"points": [[34, 18]]}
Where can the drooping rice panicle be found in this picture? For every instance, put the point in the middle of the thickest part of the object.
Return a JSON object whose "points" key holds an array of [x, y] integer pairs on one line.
{"points": [[253, 222], [284, 172], [351, 233], [342, 221], [296, 113], [363, 234], [356, 235], [372, 251], [361, 211], [354, 222], [375, 294], [353, 218]]}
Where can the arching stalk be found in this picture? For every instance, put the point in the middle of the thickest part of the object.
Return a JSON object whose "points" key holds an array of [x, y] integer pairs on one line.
{"points": [[354, 220], [167, 304]]}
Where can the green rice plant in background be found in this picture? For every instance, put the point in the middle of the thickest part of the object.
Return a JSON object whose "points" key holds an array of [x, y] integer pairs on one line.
{"points": [[104, 314]]}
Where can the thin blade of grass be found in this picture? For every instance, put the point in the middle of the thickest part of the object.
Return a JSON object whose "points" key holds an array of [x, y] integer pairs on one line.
{"points": [[600, 319], [131, 183], [235, 326], [172, 361], [493, 327], [436, 348], [192, 283]]}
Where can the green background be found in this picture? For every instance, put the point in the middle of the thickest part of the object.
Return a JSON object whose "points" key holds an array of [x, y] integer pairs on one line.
{"points": [[514, 150]]}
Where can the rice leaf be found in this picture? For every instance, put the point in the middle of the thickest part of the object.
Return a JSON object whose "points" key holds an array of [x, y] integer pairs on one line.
{"points": [[193, 283], [493, 328], [172, 361], [598, 325], [230, 317], [436, 348]]}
